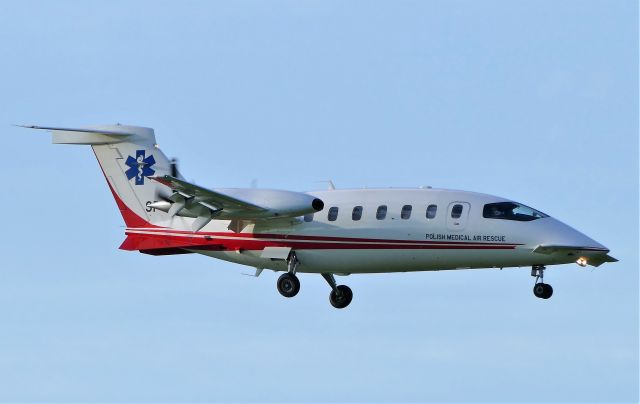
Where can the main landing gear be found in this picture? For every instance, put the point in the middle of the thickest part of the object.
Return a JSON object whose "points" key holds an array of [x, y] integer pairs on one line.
{"points": [[340, 295], [289, 285], [540, 289]]}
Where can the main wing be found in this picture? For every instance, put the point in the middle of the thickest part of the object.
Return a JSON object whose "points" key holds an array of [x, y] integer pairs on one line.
{"points": [[204, 204], [213, 200]]}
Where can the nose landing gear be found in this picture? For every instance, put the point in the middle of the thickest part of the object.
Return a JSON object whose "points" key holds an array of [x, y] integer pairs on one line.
{"points": [[540, 289]]}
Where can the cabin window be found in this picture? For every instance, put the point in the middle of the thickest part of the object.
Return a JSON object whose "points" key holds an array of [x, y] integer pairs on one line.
{"points": [[356, 214], [333, 214], [456, 212], [406, 212], [308, 217], [511, 211], [381, 213], [431, 211]]}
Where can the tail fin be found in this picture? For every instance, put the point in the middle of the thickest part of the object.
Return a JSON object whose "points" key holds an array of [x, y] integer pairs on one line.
{"points": [[128, 156]]}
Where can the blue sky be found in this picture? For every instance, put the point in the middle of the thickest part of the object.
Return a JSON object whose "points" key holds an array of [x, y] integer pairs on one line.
{"points": [[535, 101]]}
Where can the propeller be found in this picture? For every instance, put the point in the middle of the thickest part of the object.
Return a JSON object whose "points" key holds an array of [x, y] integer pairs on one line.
{"points": [[173, 164], [167, 199]]}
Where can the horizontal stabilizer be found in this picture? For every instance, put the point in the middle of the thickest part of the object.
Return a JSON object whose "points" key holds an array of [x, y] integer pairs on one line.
{"points": [[82, 130], [97, 135]]}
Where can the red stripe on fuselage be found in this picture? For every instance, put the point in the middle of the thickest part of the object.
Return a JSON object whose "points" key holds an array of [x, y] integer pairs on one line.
{"points": [[295, 237], [137, 240]]}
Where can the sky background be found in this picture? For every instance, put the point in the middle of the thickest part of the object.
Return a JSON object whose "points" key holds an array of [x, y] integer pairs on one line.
{"points": [[531, 100]]}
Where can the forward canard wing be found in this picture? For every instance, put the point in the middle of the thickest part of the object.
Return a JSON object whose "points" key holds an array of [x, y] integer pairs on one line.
{"points": [[204, 204], [593, 256]]}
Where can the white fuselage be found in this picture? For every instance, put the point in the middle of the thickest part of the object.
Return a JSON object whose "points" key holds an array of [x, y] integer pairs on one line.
{"points": [[328, 232], [393, 243]]}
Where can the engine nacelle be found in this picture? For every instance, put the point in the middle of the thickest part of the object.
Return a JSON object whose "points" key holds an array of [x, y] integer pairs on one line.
{"points": [[277, 203]]}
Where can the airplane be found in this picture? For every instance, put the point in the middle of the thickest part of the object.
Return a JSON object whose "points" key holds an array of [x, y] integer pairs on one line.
{"points": [[330, 232]]}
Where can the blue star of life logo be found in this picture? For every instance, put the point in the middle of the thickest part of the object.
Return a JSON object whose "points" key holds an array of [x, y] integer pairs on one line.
{"points": [[140, 167]]}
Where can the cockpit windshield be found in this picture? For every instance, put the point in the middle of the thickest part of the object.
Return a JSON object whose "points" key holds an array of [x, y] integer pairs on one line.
{"points": [[511, 211]]}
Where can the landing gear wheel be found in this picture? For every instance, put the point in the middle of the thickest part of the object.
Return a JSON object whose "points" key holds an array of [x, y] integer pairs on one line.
{"points": [[342, 298], [288, 285], [538, 289], [542, 290]]}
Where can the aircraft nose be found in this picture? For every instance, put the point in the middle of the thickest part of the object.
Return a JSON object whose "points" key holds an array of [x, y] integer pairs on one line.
{"points": [[567, 243], [568, 236]]}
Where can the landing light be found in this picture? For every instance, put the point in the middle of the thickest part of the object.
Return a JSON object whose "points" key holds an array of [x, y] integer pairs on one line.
{"points": [[582, 261]]}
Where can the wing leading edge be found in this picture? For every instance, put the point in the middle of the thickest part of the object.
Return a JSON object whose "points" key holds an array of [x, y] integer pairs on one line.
{"points": [[212, 199], [204, 204]]}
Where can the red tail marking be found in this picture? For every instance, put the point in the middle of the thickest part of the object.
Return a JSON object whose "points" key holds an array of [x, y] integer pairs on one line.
{"points": [[130, 218]]}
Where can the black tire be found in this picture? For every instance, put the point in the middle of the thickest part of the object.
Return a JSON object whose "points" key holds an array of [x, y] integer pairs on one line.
{"points": [[288, 285], [539, 290], [548, 291], [341, 299]]}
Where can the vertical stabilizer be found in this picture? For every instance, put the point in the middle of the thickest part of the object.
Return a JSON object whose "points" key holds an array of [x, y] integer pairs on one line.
{"points": [[128, 157]]}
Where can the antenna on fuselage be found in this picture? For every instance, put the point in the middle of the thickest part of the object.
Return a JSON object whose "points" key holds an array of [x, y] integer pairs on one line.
{"points": [[330, 185]]}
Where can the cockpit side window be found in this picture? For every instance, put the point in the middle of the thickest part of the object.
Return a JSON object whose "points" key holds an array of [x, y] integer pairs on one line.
{"points": [[511, 211]]}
